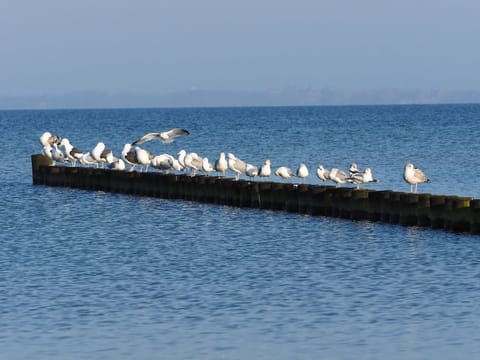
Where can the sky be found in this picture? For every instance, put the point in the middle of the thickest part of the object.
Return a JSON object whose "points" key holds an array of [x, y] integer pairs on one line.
{"points": [[154, 46]]}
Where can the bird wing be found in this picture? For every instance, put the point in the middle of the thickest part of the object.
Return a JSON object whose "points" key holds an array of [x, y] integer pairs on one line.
{"points": [[420, 175], [174, 133], [146, 137], [168, 136], [356, 178]]}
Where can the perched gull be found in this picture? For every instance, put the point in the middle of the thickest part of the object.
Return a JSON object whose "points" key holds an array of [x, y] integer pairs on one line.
{"points": [[87, 159], [143, 157], [47, 151], [118, 164], [176, 165], [414, 176], [251, 171], [181, 158], [165, 137], [353, 170], [207, 166], [73, 154], [338, 176], [284, 172], [48, 139], [302, 172], [221, 165], [362, 178], [265, 169], [322, 173], [129, 156], [163, 162], [236, 165], [99, 153], [193, 162], [57, 154]]}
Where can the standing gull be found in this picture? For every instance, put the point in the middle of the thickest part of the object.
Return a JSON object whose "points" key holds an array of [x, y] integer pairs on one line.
{"points": [[265, 169], [99, 153], [251, 171], [57, 154], [338, 176], [302, 172], [47, 151], [353, 170], [207, 166], [166, 137], [236, 165], [414, 176], [129, 156], [322, 173], [181, 158], [144, 157], [193, 162], [221, 165], [73, 154]]}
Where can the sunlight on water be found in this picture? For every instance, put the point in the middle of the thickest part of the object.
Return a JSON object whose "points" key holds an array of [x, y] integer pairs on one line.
{"points": [[96, 275]]}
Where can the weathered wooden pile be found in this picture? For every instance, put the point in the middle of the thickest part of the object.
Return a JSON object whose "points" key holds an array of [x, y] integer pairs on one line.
{"points": [[451, 213]]}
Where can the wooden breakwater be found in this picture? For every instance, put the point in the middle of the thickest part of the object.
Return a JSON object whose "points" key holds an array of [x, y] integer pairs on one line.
{"points": [[451, 213]]}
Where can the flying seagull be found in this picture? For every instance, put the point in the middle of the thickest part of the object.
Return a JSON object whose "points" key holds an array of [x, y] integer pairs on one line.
{"points": [[166, 137]]}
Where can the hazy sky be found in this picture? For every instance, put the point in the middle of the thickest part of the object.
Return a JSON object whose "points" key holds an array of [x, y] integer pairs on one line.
{"points": [[156, 46]]}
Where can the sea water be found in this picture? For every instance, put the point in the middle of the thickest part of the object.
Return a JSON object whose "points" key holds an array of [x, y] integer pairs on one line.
{"points": [[96, 275]]}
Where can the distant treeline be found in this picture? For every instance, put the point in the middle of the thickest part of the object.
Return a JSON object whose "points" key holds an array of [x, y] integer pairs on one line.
{"points": [[219, 98]]}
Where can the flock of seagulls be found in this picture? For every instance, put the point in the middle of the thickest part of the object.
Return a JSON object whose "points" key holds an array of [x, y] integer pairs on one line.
{"points": [[60, 150]]}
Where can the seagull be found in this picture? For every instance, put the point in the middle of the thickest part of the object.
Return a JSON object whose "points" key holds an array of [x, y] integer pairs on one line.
{"points": [[207, 166], [265, 169], [181, 158], [338, 176], [47, 151], [362, 178], [73, 154], [221, 165], [176, 165], [353, 170], [251, 171], [143, 157], [302, 172], [57, 154], [414, 176], [87, 159], [193, 162], [163, 162], [48, 139], [129, 156], [236, 165], [99, 153], [117, 164], [166, 137], [322, 173], [284, 172]]}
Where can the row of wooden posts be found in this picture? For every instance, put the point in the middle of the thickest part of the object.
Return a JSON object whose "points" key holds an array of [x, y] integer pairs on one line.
{"points": [[451, 213]]}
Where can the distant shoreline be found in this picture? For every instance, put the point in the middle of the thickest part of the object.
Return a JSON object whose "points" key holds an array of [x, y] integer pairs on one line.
{"points": [[222, 99]]}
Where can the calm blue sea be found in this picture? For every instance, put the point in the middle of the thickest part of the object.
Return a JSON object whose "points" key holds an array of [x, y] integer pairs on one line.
{"points": [[92, 275]]}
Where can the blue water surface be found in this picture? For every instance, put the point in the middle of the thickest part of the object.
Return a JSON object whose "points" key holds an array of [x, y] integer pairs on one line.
{"points": [[95, 275]]}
